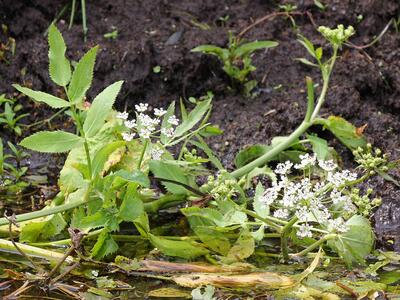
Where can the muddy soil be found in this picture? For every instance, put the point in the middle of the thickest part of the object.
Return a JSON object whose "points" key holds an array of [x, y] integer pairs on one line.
{"points": [[365, 86]]}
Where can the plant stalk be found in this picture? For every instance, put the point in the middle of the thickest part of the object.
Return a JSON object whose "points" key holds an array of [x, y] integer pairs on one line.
{"points": [[315, 245]]}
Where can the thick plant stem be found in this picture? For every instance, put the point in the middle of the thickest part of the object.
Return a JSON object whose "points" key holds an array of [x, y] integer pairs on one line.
{"points": [[308, 121], [33, 251], [44, 212], [273, 152], [285, 236], [266, 220], [315, 245], [151, 207]]}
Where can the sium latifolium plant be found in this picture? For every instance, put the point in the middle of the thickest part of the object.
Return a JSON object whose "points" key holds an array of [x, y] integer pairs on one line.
{"points": [[307, 204], [236, 59], [105, 179]]}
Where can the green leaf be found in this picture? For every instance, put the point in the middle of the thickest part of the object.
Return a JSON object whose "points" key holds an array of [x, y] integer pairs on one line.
{"points": [[60, 69], [97, 220], [42, 229], [105, 245], [244, 246], [355, 244], [132, 206], [52, 141], [319, 52], [222, 53], [164, 124], [319, 146], [259, 206], [183, 249], [306, 62], [308, 45], [102, 155], [344, 131], [248, 48], [249, 154], [100, 108], [50, 100], [82, 76], [193, 118], [165, 170], [203, 217], [213, 239], [134, 177]]}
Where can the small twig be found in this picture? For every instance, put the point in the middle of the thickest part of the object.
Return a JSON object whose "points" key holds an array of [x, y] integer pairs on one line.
{"points": [[63, 274], [374, 41], [17, 292], [12, 221], [76, 239], [267, 17]]}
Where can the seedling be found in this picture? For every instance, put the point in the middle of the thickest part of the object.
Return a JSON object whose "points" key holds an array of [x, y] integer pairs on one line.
{"points": [[10, 116], [236, 59], [289, 8], [111, 35]]}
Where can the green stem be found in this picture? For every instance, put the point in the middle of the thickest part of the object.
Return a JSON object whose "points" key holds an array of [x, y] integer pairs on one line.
{"points": [[7, 246], [44, 212], [285, 236], [89, 161], [71, 19], [84, 26], [322, 96], [273, 152], [146, 143], [315, 245], [267, 220], [299, 131], [164, 202]]}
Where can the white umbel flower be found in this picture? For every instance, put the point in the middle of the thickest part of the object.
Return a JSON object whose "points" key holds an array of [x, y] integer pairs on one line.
{"points": [[159, 112], [127, 136], [283, 168], [327, 165], [142, 107], [156, 153], [122, 115], [304, 231], [168, 132], [130, 124], [173, 120], [307, 161]]}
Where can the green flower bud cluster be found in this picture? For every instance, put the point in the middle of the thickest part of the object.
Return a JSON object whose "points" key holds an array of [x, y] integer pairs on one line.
{"points": [[220, 187], [191, 155], [371, 159], [363, 202], [337, 36]]}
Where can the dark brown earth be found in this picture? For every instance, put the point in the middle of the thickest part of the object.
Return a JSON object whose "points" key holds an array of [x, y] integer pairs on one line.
{"points": [[365, 87]]}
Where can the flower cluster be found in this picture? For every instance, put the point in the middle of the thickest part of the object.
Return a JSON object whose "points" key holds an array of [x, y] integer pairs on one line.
{"points": [[371, 159], [220, 188], [337, 36], [146, 126], [311, 199]]}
